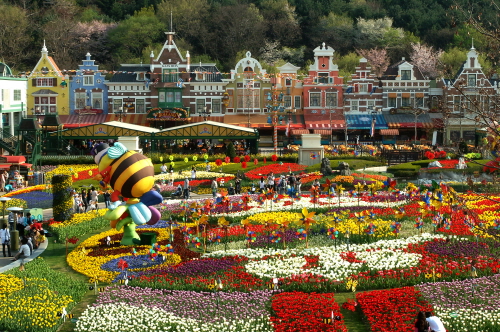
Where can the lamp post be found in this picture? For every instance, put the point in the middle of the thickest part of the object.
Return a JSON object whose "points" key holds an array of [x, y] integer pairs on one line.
{"points": [[121, 114], [331, 128], [4, 200], [289, 112]]}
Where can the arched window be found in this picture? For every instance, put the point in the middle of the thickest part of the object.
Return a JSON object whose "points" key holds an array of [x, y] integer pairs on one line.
{"points": [[248, 73]]}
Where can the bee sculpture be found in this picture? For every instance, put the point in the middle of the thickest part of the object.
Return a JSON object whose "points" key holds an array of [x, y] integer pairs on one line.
{"points": [[130, 175]]}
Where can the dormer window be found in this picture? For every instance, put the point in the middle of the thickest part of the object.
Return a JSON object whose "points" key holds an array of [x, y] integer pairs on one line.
{"points": [[405, 75], [141, 76], [200, 73], [88, 80], [471, 80], [288, 82]]}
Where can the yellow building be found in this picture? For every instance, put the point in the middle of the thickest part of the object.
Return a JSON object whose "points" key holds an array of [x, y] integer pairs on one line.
{"points": [[48, 88]]}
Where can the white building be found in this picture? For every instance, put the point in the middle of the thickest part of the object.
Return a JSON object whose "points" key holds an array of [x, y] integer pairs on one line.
{"points": [[12, 99]]}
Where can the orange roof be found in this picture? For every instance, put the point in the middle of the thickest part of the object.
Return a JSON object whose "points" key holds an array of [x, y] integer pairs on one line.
{"points": [[56, 68]]}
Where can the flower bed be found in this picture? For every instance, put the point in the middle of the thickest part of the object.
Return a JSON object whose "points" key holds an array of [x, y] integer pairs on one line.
{"points": [[31, 299], [264, 171], [36, 199], [187, 174], [117, 307], [467, 305], [79, 225], [297, 311], [392, 310]]}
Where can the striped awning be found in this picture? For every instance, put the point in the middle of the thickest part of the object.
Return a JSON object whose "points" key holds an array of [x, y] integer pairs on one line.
{"points": [[75, 120], [364, 121], [323, 131], [324, 125], [389, 132], [408, 120], [300, 131]]}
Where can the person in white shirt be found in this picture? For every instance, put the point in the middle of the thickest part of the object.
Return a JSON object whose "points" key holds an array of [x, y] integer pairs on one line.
{"points": [[24, 251], [163, 169], [434, 322], [5, 240]]}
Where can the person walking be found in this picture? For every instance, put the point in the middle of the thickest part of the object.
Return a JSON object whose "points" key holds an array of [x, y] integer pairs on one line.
{"points": [[11, 220], [193, 173], [5, 240], [214, 187], [94, 196], [186, 188], [84, 200], [107, 198], [20, 224], [237, 186]]}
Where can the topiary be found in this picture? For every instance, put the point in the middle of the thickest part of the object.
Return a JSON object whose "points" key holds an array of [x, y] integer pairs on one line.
{"points": [[230, 150], [62, 201]]}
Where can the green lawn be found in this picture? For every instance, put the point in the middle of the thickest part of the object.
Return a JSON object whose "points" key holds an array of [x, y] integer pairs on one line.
{"points": [[353, 164], [353, 320]]}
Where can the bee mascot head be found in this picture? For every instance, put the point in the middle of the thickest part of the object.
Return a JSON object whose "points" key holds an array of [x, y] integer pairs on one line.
{"points": [[131, 175]]}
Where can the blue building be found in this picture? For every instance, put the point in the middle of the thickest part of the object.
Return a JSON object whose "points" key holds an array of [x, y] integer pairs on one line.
{"points": [[88, 93]]}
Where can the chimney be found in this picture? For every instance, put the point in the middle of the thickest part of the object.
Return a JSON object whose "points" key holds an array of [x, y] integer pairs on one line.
{"points": [[188, 59]]}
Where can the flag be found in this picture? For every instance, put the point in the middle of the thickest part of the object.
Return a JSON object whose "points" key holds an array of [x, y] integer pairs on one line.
{"points": [[373, 90], [349, 89], [179, 83], [288, 129], [146, 82], [372, 131]]}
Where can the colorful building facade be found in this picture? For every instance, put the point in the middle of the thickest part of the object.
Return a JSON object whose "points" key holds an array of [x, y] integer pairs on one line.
{"points": [[48, 88], [12, 100], [88, 91]]}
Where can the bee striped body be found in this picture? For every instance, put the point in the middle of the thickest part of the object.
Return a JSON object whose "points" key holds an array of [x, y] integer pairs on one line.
{"points": [[132, 174]]}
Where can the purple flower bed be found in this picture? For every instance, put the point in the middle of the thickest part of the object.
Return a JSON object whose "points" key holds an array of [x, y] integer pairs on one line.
{"points": [[478, 293], [263, 241], [194, 267], [202, 306], [37, 199], [460, 249]]}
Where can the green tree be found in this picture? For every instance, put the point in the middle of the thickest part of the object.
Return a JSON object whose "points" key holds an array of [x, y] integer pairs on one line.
{"points": [[14, 36], [134, 34], [336, 30], [281, 21], [452, 60]]}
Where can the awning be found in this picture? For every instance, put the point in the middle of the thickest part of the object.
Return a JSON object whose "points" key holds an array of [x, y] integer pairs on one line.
{"points": [[364, 121], [408, 120], [322, 131], [389, 132], [194, 119], [77, 120], [262, 121], [296, 132], [320, 119], [5, 166], [13, 159]]}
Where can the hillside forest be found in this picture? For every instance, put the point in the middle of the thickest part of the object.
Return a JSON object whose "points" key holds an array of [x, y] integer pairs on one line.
{"points": [[221, 31]]}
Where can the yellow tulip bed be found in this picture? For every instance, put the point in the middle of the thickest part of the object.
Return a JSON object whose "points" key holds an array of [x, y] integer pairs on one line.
{"points": [[343, 178], [32, 298], [83, 261], [16, 202], [79, 218], [212, 164], [187, 174]]}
